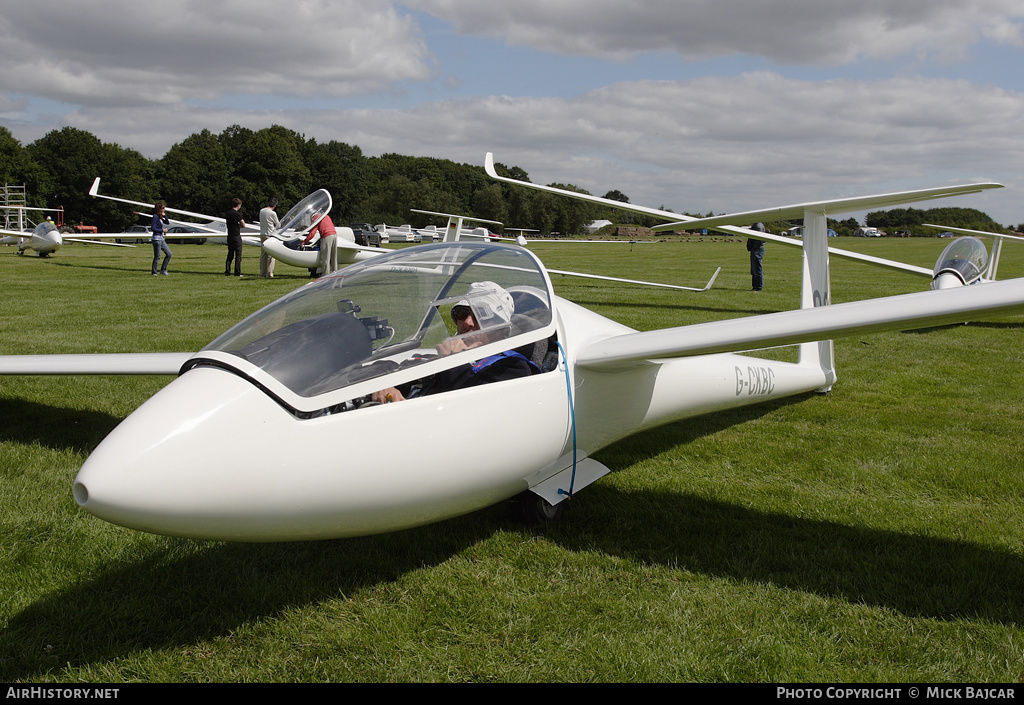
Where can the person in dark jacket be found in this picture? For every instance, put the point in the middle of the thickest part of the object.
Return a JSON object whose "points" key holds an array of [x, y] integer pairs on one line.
{"points": [[756, 249], [160, 222], [234, 223]]}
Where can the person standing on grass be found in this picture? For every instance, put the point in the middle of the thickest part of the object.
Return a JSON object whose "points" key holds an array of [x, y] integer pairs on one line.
{"points": [[756, 249], [235, 223], [269, 223], [159, 241], [327, 261]]}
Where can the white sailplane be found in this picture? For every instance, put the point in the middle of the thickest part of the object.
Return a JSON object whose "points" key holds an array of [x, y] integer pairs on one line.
{"points": [[966, 260], [296, 386], [214, 225], [46, 239]]}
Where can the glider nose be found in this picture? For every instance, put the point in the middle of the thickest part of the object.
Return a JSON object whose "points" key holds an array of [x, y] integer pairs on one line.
{"points": [[175, 465]]}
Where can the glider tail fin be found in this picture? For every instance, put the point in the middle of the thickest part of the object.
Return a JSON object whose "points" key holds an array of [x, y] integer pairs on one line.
{"points": [[816, 291]]}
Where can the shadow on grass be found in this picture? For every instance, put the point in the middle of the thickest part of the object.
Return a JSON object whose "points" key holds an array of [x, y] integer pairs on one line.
{"points": [[168, 601], [918, 576], [992, 325], [185, 592], [678, 307], [143, 268], [58, 428], [193, 591]]}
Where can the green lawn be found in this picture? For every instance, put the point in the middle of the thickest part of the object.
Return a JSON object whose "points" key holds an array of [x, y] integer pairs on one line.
{"points": [[875, 534]]}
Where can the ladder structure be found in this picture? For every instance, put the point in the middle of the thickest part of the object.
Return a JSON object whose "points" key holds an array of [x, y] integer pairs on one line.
{"points": [[12, 196]]}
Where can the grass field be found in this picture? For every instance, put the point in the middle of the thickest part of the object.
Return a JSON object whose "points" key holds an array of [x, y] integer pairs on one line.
{"points": [[875, 534]]}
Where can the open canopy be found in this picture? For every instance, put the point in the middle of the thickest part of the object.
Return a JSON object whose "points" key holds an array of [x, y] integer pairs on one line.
{"points": [[304, 215]]}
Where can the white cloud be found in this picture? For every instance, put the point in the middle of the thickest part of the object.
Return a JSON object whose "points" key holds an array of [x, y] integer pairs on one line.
{"points": [[709, 144], [146, 79], [124, 52], [788, 31]]}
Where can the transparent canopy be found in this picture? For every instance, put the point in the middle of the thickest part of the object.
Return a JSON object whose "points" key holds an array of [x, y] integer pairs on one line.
{"points": [[966, 257], [304, 215], [389, 313], [44, 228]]}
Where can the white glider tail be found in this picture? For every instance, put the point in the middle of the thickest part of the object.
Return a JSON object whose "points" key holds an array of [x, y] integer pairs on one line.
{"points": [[809, 327], [731, 223]]}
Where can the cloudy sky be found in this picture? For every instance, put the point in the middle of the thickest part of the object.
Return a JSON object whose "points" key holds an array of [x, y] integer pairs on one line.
{"points": [[695, 105]]}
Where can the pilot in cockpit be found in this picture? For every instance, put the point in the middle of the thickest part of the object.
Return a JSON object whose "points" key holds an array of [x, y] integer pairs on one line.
{"points": [[490, 304]]}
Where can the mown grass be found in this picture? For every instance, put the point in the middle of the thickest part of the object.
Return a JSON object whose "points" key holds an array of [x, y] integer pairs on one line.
{"points": [[870, 535]]}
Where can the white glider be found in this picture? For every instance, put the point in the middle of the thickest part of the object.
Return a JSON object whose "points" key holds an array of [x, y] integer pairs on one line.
{"points": [[312, 456]]}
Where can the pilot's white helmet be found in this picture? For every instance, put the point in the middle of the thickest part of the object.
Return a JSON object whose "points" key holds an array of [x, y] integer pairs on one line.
{"points": [[491, 304]]}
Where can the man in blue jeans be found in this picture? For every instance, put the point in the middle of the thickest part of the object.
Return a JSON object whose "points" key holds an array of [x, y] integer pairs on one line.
{"points": [[158, 240]]}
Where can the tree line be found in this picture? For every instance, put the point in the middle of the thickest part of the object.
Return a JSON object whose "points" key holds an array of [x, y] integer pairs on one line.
{"points": [[203, 172]]}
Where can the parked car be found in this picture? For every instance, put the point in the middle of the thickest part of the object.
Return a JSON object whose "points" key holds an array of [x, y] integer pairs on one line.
{"points": [[363, 232], [133, 234], [378, 236], [179, 229], [430, 233]]}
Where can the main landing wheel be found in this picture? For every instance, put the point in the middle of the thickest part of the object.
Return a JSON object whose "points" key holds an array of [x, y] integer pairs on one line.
{"points": [[533, 510]]}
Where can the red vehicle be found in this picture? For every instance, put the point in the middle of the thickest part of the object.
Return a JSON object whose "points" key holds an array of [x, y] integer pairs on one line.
{"points": [[80, 228]]}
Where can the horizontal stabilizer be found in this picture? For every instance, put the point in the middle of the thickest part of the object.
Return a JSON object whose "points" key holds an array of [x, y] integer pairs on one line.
{"points": [[463, 217], [94, 364], [679, 222], [733, 224], [832, 207], [908, 311]]}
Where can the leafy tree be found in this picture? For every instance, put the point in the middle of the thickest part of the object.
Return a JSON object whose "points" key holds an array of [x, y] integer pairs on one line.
{"points": [[912, 219], [73, 158], [570, 215], [268, 162], [195, 175], [342, 170], [204, 171], [488, 203], [16, 166]]}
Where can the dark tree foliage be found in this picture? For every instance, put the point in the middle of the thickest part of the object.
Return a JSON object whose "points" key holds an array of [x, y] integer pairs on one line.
{"points": [[194, 175], [913, 219], [204, 171], [342, 170], [17, 168], [264, 164], [73, 158]]}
